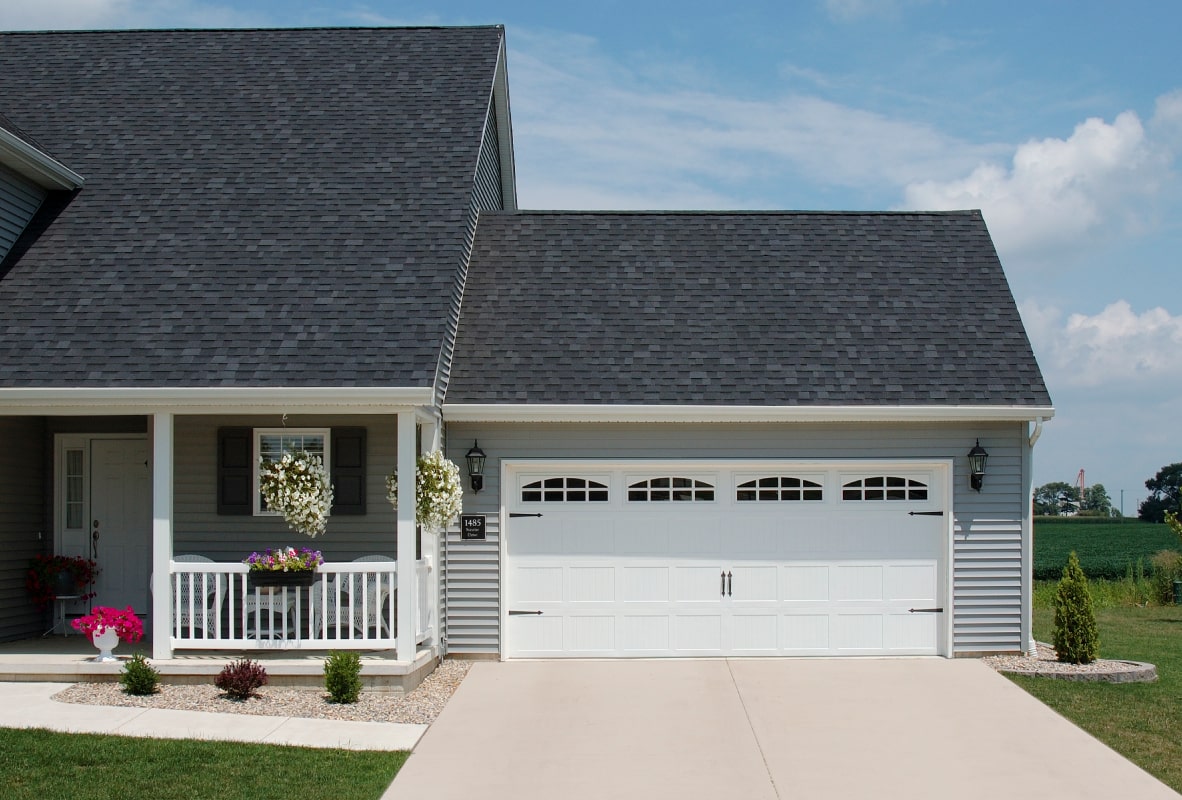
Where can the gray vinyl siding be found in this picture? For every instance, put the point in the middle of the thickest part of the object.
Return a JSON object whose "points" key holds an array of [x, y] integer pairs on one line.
{"points": [[987, 539], [198, 528], [24, 532], [19, 201]]}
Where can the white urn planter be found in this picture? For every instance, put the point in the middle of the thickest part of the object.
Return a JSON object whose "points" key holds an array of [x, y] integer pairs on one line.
{"points": [[105, 640]]}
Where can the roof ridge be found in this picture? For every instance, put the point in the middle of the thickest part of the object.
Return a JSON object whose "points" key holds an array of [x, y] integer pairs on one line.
{"points": [[493, 26], [737, 212]]}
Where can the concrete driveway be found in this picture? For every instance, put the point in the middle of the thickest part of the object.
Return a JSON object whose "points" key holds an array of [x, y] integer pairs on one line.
{"points": [[758, 728]]}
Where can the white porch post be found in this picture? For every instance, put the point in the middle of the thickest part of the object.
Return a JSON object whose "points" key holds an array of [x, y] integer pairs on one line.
{"points": [[162, 436], [407, 591]]}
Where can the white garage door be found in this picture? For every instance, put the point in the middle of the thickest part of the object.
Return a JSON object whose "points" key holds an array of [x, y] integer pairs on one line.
{"points": [[678, 559]]}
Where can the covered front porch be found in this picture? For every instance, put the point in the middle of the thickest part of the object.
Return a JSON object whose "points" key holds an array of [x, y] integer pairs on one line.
{"points": [[167, 545]]}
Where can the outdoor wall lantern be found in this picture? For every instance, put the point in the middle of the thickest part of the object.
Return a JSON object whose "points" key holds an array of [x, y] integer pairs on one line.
{"points": [[977, 459], [475, 458]]}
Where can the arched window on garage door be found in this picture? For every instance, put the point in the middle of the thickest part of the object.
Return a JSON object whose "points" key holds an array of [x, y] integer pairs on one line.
{"points": [[564, 490], [884, 487], [777, 488], [670, 489]]}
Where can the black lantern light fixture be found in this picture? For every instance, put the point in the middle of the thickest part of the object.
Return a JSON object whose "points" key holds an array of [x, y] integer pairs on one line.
{"points": [[977, 459], [475, 458]]}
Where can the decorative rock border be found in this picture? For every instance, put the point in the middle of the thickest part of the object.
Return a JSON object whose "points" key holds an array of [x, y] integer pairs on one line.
{"points": [[1046, 665]]}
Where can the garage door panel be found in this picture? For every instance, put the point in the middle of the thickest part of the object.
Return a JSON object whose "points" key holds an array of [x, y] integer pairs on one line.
{"points": [[753, 583], [756, 539], [644, 584], [645, 634], [804, 634], [697, 634], [856, 582], [588, 537], [857, 632], [538, 584], [753, 633], [907, 632], [695, 535], [805, 583], [591, 634], [591, 584], [910, 582], [537, 635], [697, 584]]}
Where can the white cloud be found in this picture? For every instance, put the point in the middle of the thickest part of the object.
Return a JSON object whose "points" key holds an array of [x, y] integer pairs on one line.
{"points": [[95, 14], [1057, 192], [1116, 348], [592, 132]]}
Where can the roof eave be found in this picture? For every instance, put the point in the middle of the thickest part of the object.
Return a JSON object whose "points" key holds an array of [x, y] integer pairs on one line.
{"points": [[36, 165], [476, 412], [211, 400]]}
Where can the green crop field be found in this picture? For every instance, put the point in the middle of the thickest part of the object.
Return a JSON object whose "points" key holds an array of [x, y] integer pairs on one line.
{"points": [[1106, 548]]}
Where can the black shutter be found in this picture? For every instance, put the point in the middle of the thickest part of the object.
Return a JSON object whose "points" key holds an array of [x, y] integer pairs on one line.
{"points": [[348, 471], [235, 475]]}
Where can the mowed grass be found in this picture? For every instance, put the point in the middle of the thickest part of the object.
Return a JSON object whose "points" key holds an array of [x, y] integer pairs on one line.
{"points": [[1142, 721], [1106, 548], [44, 765]]}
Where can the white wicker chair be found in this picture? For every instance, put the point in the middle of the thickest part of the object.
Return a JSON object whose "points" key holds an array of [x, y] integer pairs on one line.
{"points": [[207, 603]]}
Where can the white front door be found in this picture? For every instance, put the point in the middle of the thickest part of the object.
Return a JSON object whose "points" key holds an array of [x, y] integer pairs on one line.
{"points": [[121, 522], [105, 513], [685, 559]]}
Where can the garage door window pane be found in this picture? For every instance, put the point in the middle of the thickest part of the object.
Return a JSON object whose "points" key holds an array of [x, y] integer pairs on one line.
{"points": [[777, 489], [564, 490], [884, 487], [658, 490]]}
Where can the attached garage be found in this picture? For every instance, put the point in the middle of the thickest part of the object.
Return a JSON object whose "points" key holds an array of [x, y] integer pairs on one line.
{"points": [[659, 559]]}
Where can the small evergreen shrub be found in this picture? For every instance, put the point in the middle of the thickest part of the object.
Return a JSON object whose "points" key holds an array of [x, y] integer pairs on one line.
{"points": [[241, 679], [342, 676], [1077, 640], [139, 677]]}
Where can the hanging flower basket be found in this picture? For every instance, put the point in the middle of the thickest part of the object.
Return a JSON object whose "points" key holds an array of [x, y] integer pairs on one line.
{"points": [[440, 494], [283, 566], [297, 487]]}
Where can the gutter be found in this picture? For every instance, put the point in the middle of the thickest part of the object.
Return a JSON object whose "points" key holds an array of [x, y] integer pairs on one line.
{"points": [[36, 165]]}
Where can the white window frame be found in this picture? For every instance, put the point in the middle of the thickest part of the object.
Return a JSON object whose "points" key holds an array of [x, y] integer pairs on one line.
{"points": [[256, 455]]}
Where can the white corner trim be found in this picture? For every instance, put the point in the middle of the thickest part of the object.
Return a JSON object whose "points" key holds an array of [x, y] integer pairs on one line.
{"points": [[465, 412], [217, 399], [35, 165]]}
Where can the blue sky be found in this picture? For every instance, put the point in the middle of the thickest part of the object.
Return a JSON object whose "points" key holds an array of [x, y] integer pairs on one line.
{"points": [[1062, 121]]}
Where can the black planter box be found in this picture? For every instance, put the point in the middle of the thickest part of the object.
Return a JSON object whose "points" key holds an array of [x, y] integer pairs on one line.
{"points": [[280, 578]]}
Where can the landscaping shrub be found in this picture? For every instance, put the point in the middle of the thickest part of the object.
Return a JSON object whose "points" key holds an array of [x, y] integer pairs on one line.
{"points": [[342, 676], [139, 677], [1077, 640], [1167, 568], [241, 679]]}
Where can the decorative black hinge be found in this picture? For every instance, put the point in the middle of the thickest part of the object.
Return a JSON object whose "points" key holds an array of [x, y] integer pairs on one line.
{"points": [[522, 613], [925, 513], [912, 610], [515, 515]]}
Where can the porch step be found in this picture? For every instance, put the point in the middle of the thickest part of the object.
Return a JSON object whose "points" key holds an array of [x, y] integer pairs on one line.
{"points": [[378, 672]]}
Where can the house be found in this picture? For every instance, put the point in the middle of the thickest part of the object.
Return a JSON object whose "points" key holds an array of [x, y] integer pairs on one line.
{"points": [[706, 433]]}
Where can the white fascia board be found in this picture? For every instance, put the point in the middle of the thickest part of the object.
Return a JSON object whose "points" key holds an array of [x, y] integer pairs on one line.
{"points": [[212, 400], [22, 157], [463, 412]]}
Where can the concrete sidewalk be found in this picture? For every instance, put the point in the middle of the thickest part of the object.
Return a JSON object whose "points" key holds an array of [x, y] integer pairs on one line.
{"points": [[758, 729], [28, 705]]}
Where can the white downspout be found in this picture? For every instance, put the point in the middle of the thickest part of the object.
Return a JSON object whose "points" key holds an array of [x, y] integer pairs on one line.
{"points": [[1028, 537]]}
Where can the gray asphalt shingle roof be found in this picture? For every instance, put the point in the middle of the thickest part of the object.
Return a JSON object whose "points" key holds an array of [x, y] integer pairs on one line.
{"points": [[274, 207], [760, 309]]}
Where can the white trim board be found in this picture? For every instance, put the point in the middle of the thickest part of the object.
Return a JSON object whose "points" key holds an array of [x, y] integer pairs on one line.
{"points": [[465, 412]]}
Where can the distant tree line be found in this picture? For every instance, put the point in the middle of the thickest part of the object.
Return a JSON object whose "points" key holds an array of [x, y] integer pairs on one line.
{"points": [[1063, 499]]}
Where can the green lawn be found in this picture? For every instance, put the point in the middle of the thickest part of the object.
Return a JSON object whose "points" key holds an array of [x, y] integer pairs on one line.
{"points": [[39, 765], [1106, 548], [1142, 721]]}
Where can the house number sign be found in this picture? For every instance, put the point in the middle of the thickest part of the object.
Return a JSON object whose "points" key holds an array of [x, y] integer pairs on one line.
{"points": [[471, 526]]}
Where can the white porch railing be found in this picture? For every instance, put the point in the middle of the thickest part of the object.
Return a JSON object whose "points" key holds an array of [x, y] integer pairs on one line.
{"points": [[350, 605]]}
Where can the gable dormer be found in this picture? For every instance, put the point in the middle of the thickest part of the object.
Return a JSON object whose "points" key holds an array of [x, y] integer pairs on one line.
{"points": [[27, 175]]}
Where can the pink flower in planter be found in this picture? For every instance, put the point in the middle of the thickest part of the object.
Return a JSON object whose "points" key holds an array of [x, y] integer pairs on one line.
{"points": [[125, 623]]}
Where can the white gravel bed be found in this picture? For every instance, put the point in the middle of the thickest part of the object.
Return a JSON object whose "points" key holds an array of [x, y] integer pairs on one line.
{"points": [[419, 706], [1047, 664]]}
